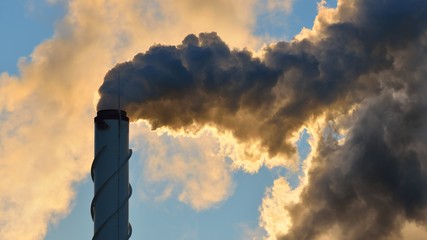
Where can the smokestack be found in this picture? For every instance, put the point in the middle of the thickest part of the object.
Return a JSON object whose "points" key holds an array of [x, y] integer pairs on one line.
{"points": [[110, 174]]}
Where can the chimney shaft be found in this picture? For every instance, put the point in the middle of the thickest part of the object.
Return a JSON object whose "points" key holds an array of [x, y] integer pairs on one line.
{"points": [[110, 174]]}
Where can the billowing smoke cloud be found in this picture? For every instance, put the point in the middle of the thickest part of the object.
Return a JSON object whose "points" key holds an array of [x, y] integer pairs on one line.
{"points": [[46, 111], [203, 82], [366, 57], [375, 181]]}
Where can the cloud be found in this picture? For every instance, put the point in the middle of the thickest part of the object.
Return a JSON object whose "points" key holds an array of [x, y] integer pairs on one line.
{"points": [[260, 102], [192, 169], [285, 5], [45, 139], [368, 185], [364, 186], [273, 216], [47, 110], [413, 231], [371, 184], [232, 19], [203, 82]]}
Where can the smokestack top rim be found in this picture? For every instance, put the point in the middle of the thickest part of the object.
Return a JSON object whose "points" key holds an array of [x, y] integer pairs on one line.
{"points": [[111, 114]]}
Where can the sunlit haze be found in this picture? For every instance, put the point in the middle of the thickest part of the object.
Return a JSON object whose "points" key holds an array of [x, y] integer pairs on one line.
{"points": [[249, 119]]}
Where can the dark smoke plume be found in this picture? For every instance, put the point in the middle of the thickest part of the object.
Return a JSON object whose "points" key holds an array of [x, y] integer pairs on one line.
{"points": [[377, 179], [374, 57]]}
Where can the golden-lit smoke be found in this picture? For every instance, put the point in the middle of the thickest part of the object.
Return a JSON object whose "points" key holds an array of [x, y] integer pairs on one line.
{"points": [[274, 217], [46, 111], [46, 131], [345, 178], [351, 74], [285, 5], [193, 168]]}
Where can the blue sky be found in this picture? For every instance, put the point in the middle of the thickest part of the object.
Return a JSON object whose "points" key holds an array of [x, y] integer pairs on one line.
{"points": [[27, 23]]}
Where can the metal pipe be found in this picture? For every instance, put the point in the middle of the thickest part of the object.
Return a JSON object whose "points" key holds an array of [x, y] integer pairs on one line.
{"points": [[110, 174]]}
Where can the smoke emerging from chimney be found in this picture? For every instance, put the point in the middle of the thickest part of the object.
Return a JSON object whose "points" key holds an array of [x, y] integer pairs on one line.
{"points": [[369, 63]]}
